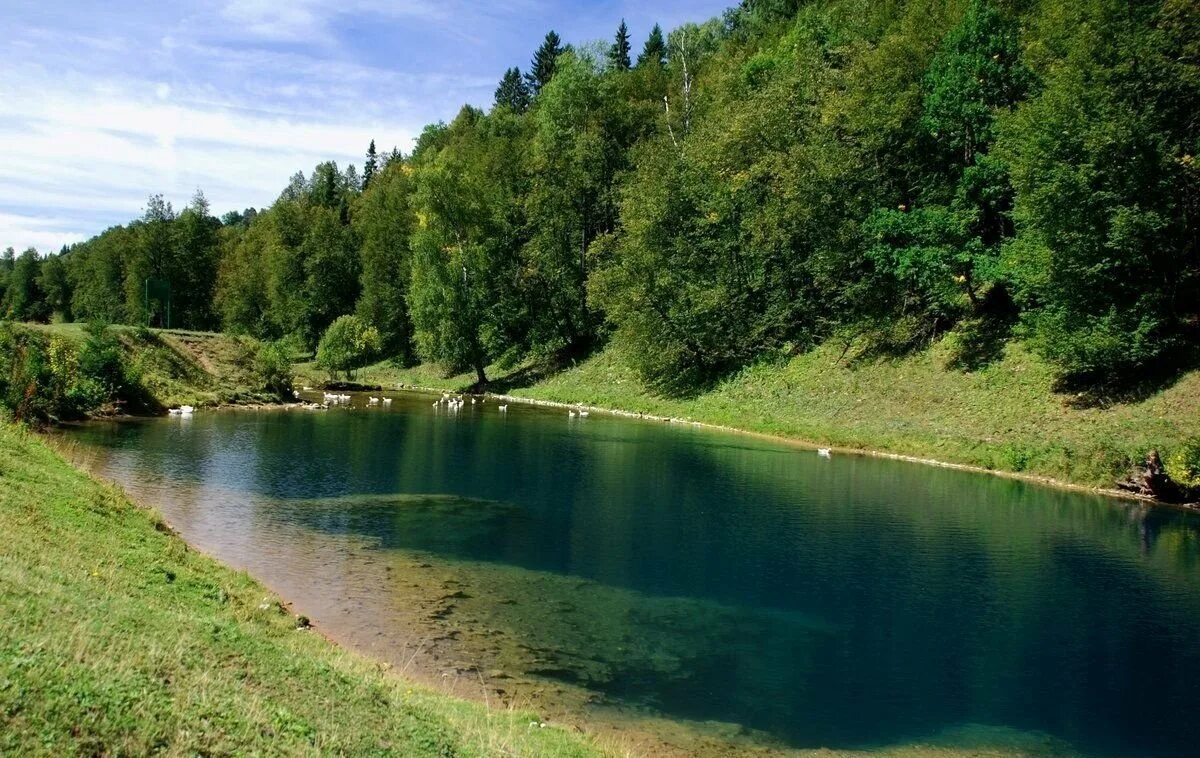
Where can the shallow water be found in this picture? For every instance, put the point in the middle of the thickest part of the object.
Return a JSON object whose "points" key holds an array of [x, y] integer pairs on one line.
{"points": [[680, 573]]}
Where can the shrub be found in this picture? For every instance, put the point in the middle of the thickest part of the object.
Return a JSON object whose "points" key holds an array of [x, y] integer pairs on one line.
{"points": [[348, 344], [273, 369], [1183, 465], [49, 379], [100, 363]]}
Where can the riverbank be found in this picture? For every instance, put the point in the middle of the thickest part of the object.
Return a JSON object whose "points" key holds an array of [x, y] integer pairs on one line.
{"points": [[1005, 417], [176, 367], [119, 638]]}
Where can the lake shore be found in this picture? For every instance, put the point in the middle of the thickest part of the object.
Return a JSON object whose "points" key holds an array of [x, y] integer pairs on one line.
{"points": [[1005, 419], [448, 641], [124, 639]]}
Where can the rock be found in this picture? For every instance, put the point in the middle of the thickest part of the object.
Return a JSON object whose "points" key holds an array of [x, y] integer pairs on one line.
{"points": [[1151, 480]]}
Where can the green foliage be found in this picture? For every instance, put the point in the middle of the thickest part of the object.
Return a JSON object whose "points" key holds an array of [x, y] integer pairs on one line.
{"points": [[47, 379], [466, 296], [757, 183], [349, 343], [654, 52], [1183, 464], [618, 54], [273, 368], [384, 221], [370, 166], [101, 362], [23, 296], [544, 63], [513, 92], [1105, 263]]}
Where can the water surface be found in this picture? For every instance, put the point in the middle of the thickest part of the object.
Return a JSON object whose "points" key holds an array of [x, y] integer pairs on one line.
{"points": [[698, 576]]}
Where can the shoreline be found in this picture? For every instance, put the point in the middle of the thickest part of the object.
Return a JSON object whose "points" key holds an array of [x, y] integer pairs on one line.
{"points": [[612, 729], [1110, 492], [1047, 481]]}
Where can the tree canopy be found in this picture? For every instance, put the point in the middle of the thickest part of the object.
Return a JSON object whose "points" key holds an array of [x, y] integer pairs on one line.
{"points": [[786, 174]]}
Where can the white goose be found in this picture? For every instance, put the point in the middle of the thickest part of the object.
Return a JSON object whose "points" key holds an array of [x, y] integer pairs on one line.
{"points": [[824, 452]]}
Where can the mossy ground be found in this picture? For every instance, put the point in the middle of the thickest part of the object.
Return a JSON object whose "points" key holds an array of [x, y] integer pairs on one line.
{"points": [[119, 639], [1004, 416]]}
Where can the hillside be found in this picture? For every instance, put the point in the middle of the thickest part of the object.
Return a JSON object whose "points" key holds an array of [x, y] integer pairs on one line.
{"points": [[1006, 416], [178, 367]]}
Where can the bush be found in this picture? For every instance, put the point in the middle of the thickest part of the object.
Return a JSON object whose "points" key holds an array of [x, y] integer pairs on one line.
{"points": [[1183, 465], [273, 369], [49, 379], [100, 362], [348, 344]]}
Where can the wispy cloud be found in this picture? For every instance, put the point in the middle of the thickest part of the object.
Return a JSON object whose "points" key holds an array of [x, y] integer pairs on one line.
{"points": [[105, 104]]}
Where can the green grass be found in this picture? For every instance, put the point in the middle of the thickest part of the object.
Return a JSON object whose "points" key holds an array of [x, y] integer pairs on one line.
{"points": [[179, 367], [1006, 416], [116, 638]]}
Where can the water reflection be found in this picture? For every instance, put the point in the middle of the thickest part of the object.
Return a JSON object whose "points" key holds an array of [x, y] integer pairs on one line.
{"points": [[846, 603]]}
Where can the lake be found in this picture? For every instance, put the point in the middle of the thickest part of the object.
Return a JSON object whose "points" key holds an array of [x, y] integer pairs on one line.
{"points": [[671, 577]]}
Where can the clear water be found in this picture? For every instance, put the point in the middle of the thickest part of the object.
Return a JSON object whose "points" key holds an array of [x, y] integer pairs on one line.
{"points": [[703, 576]]}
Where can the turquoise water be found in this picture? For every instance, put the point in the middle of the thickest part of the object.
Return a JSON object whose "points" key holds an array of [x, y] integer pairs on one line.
{"points": [[704, 576]]}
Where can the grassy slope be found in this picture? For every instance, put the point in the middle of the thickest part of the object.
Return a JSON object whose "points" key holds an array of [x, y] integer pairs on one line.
{"points": [[180, 367], [1005, 416], [116, 638]]}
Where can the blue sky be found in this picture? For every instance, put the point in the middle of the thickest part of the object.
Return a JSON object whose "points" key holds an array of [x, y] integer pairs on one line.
{"points": [[103, 103]]}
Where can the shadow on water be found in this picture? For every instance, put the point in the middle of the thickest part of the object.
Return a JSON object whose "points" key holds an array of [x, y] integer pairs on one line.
{"points": [[846, 603]]}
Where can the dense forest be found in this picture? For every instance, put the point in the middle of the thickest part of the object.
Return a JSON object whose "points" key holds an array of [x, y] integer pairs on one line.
{"points": [[787, 174]]}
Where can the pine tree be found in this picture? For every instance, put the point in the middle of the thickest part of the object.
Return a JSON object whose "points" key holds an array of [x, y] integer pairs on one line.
{"points": [[513, 92], [655, 51], [370, 166], [618, 54], [541, 68]]}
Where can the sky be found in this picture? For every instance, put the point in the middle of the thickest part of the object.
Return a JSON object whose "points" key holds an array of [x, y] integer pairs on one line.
{"points": [[105, 103]]}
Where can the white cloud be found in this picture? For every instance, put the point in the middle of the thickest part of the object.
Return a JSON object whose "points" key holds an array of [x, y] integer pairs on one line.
{"points": [[113, 104], [45, 234]]}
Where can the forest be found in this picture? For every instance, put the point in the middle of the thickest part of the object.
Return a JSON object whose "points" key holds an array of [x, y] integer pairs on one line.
{"points": [[788, 174]]}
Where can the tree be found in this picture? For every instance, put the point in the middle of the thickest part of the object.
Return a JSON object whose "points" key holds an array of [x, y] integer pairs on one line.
{"points": [[370, 166], [583, 134], [618, 54], [545, 59], [1106, 260], [23, 298], [150, 261], [7, 260], [192, 266], [654, 52], [939, 253], [240, 298], [56, 287], [467, 303], [513, 92], [329, 259], [384, 222], [348, 344]]}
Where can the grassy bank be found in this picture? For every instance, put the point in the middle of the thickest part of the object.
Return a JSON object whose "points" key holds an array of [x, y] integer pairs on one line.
{"points": [[176, 367], [1006, 416], [118, 639]]}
